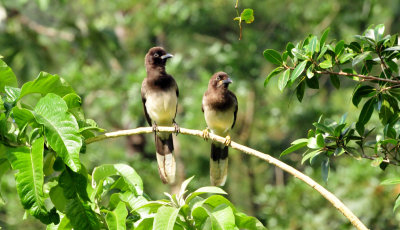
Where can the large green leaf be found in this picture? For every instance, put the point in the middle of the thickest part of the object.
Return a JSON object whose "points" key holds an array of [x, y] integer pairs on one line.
{"points": [[283, 79], [273, 56], [29, 178], [61, 129], [165, 218], [224, 217], [81, 215], [73, 183], [22, 116], [295, 147], [46, 83], [57, 197], [125, 171], [298, 70], [248, 222], [116, 219], [202, 190], [362, 91], [366, 111], [7, 76]]}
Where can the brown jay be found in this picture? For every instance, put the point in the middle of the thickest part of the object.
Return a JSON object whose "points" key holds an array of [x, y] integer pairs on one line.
{"points": [[220, 108], [160, 100]]}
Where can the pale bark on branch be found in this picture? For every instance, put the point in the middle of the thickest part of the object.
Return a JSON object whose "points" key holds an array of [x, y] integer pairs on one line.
{"points": [[306, 179]]}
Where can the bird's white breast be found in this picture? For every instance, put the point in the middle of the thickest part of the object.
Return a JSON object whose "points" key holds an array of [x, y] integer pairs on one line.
{"points": [[161, 106], [220, 122]]}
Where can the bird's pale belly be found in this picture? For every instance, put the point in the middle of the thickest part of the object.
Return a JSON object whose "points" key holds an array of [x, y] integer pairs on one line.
{"points": [[161, 107], [220, 122]]}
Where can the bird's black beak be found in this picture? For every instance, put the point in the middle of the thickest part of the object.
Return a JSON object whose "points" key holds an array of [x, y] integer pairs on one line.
{"points": [[166, 56], [227, 81]]}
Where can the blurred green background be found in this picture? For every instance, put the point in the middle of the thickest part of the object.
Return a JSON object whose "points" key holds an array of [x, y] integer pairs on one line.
{"points": [[99, 48]]}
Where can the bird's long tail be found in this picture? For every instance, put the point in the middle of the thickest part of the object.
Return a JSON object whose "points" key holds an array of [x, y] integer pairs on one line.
{"points": [[165, 158], [218, 164]]}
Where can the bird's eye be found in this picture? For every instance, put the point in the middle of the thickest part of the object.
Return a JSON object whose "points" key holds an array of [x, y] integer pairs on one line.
{"points": [[156, 55], [218, 78]]}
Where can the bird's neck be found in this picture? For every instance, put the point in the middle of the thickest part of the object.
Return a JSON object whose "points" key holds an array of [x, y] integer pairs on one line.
{"points": [[155, 70]]}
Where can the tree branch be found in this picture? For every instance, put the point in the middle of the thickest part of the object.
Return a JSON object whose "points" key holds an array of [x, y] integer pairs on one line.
{"points": [[325, 193]]}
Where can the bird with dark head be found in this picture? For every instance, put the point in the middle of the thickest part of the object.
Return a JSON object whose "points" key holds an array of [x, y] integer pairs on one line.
{"points": [[220, 108], [160, 101]]}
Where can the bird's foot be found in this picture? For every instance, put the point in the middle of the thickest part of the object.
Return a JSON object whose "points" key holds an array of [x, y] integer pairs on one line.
{"points": [[206, 134], [227, 141], [177, 128], [155, 127]]}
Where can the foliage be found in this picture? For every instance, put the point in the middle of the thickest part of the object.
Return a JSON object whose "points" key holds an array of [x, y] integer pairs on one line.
{"points": [[370, 61], [43, 142]]}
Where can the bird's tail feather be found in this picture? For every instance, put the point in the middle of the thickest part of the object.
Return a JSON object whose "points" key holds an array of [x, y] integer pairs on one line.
{"points": [[218, 164], [165, 159]]}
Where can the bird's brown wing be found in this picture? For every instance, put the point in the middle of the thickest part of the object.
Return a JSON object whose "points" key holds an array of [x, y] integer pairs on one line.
{"points": [[236, 108], [143, 94]]}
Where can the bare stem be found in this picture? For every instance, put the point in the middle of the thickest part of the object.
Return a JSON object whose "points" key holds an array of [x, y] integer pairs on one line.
{"points": [[325, 193]]}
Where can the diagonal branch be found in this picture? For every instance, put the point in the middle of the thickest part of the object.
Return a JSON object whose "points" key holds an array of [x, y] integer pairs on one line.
{"points": [[325, 193]]}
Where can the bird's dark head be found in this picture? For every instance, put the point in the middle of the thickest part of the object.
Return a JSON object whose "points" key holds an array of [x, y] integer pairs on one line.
{"points": [[220, 80], [156, 57]]}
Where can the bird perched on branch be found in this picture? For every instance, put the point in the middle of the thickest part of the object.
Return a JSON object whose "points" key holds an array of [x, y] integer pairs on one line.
{"points": [[160, 100], [220, 108]]}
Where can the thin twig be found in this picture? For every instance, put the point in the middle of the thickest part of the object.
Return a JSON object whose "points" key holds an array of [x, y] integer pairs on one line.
{"points": [[325, 193], [341, 73]]}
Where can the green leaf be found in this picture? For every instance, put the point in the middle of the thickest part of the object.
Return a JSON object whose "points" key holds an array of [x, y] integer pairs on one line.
{"points": [[320, 140], [248, 222], [22, 117], [247, 15], [295, 147], [46, 83], [300, 91], [165, 218], [367, 111], [202, 190], [183, 190], [289, 48], [325, 169], [72, 100], [327, 63], [116, 218], [125, 171], [360, 58], [362, 91], [324, 36], [73, 183], [393, 66], [273, 56], [339, 48], [7, 76], [145, 224], [61, 129], [81, 215], [345, 57], [30, 178], [223, 217], [57, 197], [300, 54], [324, 128], [273, 73], [386, 113], [378, 32], [283, 79], [313, 45], [312, 83], [391, 181], [335, 81], [298, 70], [311, 155]]}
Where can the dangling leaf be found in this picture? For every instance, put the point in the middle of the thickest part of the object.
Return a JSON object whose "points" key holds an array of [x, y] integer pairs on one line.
{"points": [[29, 178], [81, 215], [7, 76], [116, 219]]}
